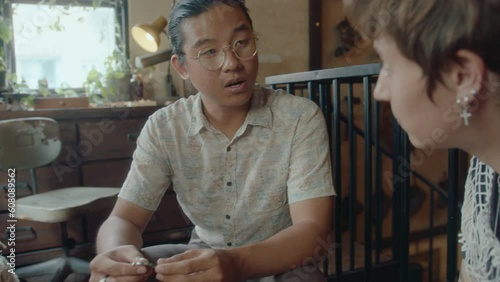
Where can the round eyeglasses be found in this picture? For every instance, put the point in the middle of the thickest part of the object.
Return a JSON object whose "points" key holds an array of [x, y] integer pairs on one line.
{"points": [[213, 58]]}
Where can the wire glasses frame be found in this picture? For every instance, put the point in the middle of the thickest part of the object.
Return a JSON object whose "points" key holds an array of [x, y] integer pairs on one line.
{"points": [[213, 58]]}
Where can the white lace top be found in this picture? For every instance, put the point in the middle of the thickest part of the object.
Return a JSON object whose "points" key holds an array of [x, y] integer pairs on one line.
{"points": [[480, 245]]}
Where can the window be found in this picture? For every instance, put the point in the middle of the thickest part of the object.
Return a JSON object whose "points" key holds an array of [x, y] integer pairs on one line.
{"points": [[57, 43]]}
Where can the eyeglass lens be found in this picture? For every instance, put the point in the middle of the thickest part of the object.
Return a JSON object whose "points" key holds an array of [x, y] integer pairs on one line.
{"points": [[213, 58]]}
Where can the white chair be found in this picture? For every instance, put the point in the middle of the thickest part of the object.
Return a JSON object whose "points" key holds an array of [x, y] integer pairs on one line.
{"points": [[28, 143]]}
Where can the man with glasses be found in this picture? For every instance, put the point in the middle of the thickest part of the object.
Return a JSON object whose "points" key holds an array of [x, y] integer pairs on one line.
{"points": [[250, 167]]}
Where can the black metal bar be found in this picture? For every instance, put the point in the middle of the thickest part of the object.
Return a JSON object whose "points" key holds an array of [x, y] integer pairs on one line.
{"points": [[290, 88], [368, 176], [451, 250], [310, 90], [326, 106], [431, 234], [337, 176], [405, 209], [323, 106], [352, 174], [396, 186], [322, 102], [378, 183]]}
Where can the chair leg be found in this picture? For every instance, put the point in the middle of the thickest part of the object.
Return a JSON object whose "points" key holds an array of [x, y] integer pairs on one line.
{"points": [[60, 268], [61, 273]]}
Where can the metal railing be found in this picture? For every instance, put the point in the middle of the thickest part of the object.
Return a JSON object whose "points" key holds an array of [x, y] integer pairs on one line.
{"points": [[355, 122]]}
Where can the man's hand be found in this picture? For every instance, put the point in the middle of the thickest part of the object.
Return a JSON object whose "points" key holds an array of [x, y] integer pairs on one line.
{"points": [[118, 265], [199, 265]]}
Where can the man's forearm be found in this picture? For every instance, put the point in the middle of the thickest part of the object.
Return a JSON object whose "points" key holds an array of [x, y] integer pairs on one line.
{"points": [[116, 232], [302, 243]]}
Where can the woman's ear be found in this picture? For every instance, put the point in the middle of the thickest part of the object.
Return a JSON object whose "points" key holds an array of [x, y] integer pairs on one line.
{"points": [[469, 72], [179, 65]]}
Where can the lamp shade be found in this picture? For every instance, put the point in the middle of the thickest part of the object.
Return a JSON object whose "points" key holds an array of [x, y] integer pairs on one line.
{"points": [[148, 35]]}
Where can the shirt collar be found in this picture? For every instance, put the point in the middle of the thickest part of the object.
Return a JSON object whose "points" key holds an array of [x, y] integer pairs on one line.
{"points": [[258, 115], [198, 119]]}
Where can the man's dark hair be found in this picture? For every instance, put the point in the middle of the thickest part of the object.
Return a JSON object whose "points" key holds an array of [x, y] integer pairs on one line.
{"points": [[190, 8]]}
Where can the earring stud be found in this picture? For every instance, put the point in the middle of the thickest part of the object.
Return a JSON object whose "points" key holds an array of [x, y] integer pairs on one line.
{"points": [[465, 107]]}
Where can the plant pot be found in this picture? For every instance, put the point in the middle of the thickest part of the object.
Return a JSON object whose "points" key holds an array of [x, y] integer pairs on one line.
{"points": [[118, 89], [3, 81]]}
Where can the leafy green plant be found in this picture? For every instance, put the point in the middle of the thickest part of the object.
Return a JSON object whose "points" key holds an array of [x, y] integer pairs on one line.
{"points": [[112, 83]]}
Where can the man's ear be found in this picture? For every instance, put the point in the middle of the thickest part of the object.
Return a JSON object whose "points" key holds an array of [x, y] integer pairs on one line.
{"points": [[180, 66], [469, 72]]}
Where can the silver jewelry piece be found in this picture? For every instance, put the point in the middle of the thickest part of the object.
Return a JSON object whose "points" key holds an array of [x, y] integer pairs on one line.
{"points": [[465, 107], [142, 262], [104, 279]]}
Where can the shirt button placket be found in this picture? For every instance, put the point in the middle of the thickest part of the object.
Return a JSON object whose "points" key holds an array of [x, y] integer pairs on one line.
{"points": [[229, 188]]}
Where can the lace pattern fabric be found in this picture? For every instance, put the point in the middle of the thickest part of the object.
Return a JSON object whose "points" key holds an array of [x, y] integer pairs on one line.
{"points": [[480, 245]]}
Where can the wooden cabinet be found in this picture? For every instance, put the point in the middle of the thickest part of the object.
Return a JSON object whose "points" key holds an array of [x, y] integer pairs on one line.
{"points": [[108, 139], [97, 148]]}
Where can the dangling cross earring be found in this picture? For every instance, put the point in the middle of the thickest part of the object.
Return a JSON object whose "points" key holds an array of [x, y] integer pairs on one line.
{"points": [[465, 107]]}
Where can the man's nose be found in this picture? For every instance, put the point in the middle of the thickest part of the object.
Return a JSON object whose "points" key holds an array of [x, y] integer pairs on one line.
{"points": [[231, 61]]}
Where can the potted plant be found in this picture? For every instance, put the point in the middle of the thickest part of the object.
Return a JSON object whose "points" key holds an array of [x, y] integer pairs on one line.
{"points": [[112, 84]]}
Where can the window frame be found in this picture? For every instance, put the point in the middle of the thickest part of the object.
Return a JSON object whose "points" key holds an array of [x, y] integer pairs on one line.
{"points": [[121, 10]]}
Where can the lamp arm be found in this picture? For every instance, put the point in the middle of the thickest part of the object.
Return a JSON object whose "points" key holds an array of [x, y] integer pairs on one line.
{"points": [[153, 59]]}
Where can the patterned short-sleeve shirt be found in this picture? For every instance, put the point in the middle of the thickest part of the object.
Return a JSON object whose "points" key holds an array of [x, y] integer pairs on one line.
{"points": [[235, 192]]}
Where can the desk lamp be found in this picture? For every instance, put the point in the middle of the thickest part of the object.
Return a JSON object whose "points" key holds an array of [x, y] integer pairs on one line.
{"points": [[148, 37]]}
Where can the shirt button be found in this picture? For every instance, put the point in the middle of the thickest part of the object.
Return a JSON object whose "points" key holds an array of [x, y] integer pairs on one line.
{"points": [[228, 216], [228, 149], [229, 244], [229, 183]]}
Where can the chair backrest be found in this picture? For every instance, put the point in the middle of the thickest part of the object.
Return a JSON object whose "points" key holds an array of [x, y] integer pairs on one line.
{"points": [[27, 143]]}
